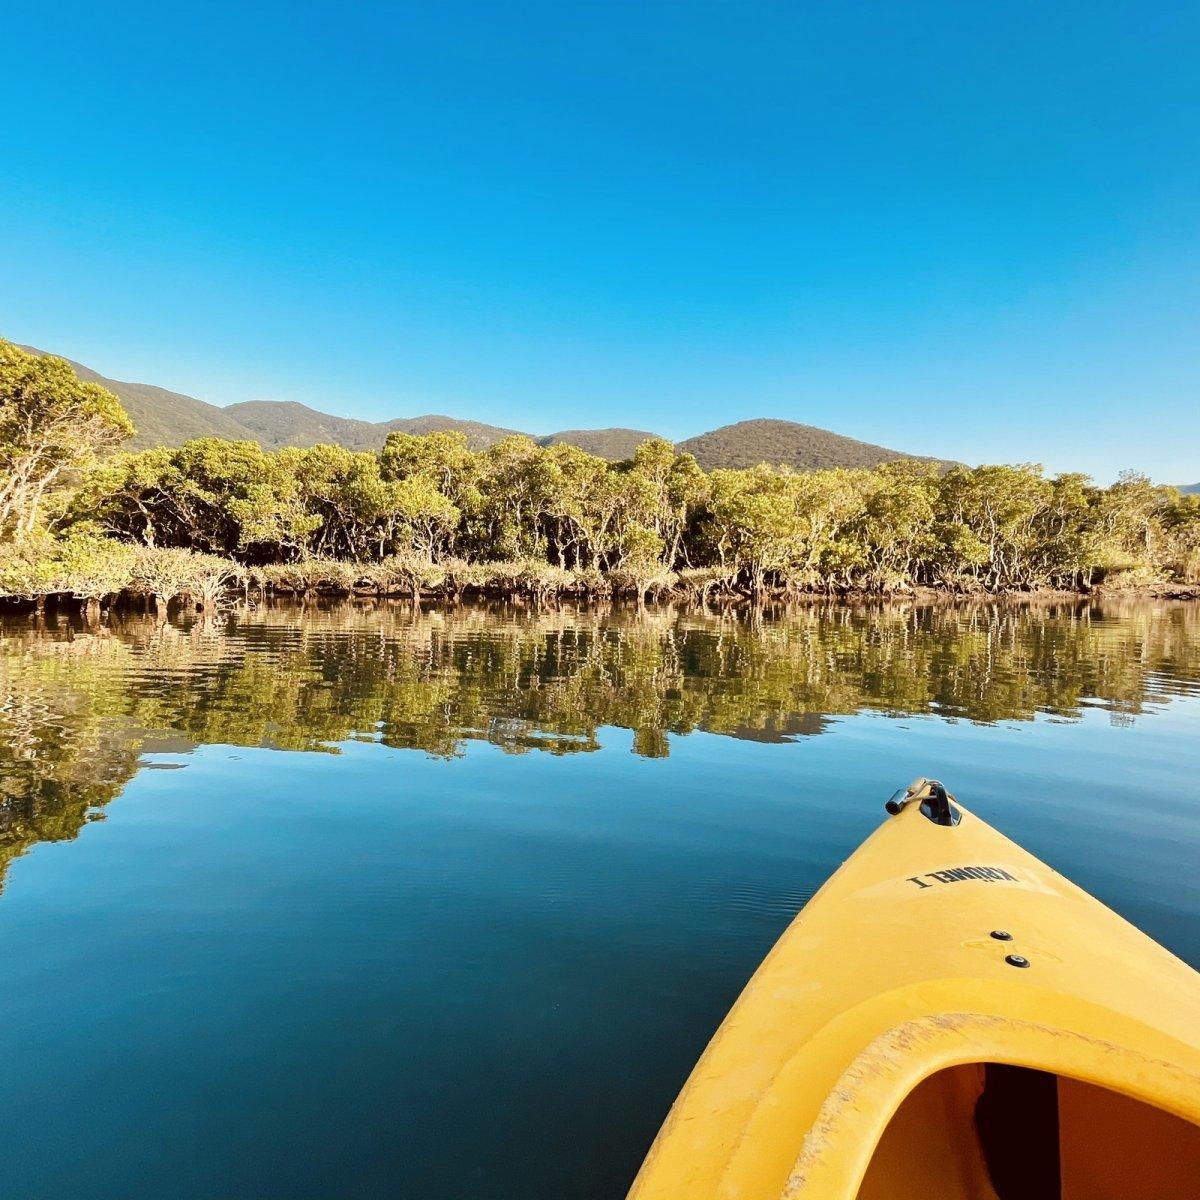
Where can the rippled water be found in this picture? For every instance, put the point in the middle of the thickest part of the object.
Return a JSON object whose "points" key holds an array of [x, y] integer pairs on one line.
{"points": [[368, 901]]}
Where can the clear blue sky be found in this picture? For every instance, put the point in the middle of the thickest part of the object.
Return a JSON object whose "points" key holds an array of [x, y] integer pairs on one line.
{"points": [[971, 230]]}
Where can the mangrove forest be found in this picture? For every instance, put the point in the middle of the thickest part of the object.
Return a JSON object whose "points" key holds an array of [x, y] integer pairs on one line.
{"points": [[83, 521]]}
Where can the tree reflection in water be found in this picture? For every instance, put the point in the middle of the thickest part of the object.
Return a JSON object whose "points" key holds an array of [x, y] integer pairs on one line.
{"points": [[82, 706]]}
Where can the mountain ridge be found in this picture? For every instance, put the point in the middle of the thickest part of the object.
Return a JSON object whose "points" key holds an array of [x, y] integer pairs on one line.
{"points": [[770, 440], [166, 418]]}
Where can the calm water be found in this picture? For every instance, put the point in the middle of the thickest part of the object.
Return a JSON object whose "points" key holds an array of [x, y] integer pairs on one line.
{"points": [[366, 902]]}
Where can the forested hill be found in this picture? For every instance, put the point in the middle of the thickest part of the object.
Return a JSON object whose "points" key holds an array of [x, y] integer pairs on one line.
{"points": [[749, 443], [166, 418], [613, 444], [276, 423], [163, 418], [1190, 489]]}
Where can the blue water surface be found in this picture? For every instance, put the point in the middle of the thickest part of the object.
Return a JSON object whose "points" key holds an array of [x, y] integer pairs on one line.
{"points": [[482, 963]]}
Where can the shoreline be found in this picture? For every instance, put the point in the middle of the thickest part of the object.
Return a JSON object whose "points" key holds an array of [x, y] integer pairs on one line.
{"points": [[134, 601]]}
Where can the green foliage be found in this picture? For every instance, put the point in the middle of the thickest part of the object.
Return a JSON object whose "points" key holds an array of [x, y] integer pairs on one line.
{"points": [[429, 514], [50, 422], [84, 565], [1180, 523], [164, 572], [308, 575]]}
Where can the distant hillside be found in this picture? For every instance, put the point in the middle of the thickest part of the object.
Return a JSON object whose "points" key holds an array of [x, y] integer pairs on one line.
{"points": [[276, 423], [1190, 489], [613, 444], [785, 443], [479, 436], [284, 423], [165, 418]]}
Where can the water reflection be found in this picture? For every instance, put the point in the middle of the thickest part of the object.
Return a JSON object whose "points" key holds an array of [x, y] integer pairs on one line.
{"points": [[82, 706]]}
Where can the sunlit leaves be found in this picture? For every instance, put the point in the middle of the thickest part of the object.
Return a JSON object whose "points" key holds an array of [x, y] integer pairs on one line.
{"points": [[559, 519], [50, 421]]}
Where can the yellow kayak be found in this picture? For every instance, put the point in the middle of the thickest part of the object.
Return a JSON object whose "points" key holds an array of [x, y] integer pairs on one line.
{"points": [[948, 1017]]}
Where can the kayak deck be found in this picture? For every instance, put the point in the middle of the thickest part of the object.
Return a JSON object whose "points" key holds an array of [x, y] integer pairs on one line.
{"points": [[948, 1017]]}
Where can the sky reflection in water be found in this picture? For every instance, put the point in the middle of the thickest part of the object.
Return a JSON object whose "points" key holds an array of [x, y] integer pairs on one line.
{"points": [[314, 963]]}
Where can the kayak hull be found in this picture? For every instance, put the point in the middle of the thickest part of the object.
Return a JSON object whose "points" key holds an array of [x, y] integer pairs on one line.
{"points": [[934, 950]]}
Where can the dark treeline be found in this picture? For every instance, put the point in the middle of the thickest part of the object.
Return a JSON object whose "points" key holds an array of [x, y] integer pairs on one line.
{"points": [[427, 515]]}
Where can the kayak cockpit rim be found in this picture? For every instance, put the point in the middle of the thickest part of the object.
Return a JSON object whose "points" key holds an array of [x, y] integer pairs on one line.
{"points": [[840, 1147]]}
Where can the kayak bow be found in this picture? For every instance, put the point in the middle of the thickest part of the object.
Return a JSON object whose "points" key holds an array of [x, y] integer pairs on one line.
{"points": [[948, 1017]]}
